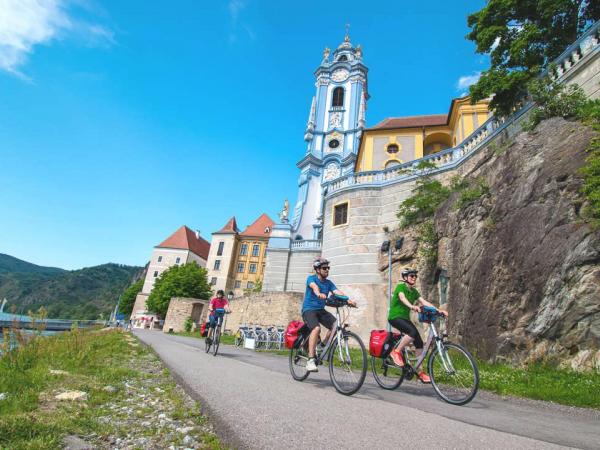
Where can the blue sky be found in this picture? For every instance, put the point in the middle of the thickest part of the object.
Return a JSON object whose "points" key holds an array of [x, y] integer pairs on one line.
{"points": [[122, 120]]}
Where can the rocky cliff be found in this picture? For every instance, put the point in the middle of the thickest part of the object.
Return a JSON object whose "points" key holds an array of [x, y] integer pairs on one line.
{"points": [[523, 267]]}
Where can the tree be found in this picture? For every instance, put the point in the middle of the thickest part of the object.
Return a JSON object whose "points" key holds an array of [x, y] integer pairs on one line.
{"points": [[187, 280], [128, 297], [522, 37]]}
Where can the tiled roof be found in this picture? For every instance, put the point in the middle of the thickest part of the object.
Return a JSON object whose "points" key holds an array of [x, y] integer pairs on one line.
{"points": [[411, 122], [260, 228], [186, 239], [230, 227]]}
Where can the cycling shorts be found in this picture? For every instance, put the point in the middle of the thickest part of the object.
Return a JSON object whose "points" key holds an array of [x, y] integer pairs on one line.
{"points": [[408, 328], [313, 317]]}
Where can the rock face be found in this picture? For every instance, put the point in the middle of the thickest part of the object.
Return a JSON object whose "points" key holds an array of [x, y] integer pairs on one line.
{"points": [[523, 267]]}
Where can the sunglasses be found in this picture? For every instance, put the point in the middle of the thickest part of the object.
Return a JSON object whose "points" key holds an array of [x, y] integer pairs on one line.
{"points": [[412, 276], [324, 268]]}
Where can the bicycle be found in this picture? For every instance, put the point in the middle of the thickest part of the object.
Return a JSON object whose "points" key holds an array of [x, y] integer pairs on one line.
{"points": [[347, 369], [453, 371], [216, 335]]}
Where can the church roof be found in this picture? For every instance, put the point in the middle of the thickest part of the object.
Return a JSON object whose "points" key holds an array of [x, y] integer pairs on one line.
{"points": [[260, 228], [411, 122], [186, 239], [229, 227]]}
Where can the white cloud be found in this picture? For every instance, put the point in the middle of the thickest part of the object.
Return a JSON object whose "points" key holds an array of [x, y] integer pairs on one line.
{"points": [[25, 24], [467, 80]]}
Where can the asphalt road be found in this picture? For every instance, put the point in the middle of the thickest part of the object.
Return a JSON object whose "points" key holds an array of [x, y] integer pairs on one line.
{"points": [[255, 404]]}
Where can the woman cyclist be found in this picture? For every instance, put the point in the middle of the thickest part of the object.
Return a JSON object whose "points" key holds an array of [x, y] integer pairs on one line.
{"points": [[404, 299]]}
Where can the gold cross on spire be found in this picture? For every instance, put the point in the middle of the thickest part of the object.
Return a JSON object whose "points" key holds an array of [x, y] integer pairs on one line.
{"points": [[347, 37]]}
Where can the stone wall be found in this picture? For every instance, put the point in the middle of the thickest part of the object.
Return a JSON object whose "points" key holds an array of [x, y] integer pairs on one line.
{"points": [[182, 308], [300, 268], [265, 308]]}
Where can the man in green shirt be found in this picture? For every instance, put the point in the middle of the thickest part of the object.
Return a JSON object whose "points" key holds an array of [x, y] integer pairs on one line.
{"points": [[404, 299]]}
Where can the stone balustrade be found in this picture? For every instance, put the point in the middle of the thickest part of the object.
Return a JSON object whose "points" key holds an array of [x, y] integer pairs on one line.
{"points": [[306, 244]]}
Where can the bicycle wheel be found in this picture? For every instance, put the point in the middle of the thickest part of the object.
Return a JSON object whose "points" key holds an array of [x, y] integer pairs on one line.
{"points": [[348, 363], [207, 344], [216, 340], [454, 374], [298, 359], [387, 374]]}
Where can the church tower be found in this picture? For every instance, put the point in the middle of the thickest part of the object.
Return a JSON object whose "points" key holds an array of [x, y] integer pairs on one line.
{"points": [[335, 124]]}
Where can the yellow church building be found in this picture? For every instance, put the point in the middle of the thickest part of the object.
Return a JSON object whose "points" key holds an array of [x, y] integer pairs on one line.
{"points": [[397, 140]]}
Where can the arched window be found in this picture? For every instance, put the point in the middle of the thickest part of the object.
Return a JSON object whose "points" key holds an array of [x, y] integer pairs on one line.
{"points": [[343, 58], [338, 97]]}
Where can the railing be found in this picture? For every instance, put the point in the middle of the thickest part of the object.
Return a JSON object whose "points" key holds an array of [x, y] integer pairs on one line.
{"points": [[451, 157], [306, 244]]}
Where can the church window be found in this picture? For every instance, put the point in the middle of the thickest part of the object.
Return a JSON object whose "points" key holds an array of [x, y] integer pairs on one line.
{"points": [[250, 285], [155, 273], [338, 97], [220, 249], [244, 249], [177, 260], [238, 284], [343, 58], [159, 259], [252, 268], [217, 264], [334, 143], [241, 267], [213, 281], [255, 250], [392, 149], [340, 214]]}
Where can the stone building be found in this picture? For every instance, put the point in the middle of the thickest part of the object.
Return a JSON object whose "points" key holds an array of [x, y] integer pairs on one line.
{"points": [[180, 309], [353, 178], [182, 247], [237, 258]]}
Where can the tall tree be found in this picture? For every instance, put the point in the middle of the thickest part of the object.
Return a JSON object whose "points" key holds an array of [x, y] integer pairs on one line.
{"points": [[187, 280], [522, 37], [128, 297]]}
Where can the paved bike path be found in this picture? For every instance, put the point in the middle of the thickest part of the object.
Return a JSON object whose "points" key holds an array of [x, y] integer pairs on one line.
{"points": [[256, 404]]}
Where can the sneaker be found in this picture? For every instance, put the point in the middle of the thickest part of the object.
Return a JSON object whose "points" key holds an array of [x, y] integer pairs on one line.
{"points": [[424, 377], [397, 358], [311, 366]]}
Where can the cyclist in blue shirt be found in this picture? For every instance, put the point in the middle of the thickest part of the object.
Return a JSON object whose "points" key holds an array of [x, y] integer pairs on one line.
{"points": [[318, 288]]}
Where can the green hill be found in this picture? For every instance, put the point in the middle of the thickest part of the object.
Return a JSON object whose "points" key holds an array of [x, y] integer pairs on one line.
{"points": [[76, 294]]}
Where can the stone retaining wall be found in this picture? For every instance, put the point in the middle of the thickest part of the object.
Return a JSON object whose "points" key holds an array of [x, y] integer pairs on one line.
{"points": [[265, 308], [182, 308]]}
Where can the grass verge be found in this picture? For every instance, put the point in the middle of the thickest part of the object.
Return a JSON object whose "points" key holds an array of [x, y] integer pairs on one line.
{"points": [[130, 400]]}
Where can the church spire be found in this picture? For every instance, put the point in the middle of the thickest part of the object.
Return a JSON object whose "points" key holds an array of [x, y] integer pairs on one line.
{"points": [[310, 126]]}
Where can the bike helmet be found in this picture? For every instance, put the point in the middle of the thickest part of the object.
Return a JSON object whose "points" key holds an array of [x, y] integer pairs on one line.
{"points": [[408, 271], [319, 262]]}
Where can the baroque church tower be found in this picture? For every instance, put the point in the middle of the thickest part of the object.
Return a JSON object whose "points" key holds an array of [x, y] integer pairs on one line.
{"points": [[335, 124]]}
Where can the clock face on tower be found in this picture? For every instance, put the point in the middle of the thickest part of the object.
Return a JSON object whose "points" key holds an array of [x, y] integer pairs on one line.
{"points": [[340, 75]]}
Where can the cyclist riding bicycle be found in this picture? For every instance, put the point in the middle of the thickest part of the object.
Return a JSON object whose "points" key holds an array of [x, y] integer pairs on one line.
{"points": [[218, 302], [404, 300], [318, 288]]}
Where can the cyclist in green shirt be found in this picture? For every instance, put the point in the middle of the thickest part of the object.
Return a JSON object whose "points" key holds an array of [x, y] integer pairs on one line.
{"points": [[404, 299]]}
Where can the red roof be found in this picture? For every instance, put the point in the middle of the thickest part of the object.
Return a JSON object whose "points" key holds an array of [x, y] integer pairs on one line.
{"points": [[411, 122], [186, 239], [260, 228], [230, 227]]}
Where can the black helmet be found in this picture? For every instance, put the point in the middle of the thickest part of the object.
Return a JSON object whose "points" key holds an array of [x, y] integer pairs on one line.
{"points": [[320, 262], [220, 291], [408, 271]]}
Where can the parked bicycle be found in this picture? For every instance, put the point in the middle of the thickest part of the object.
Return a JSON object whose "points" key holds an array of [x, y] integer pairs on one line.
{"points": [[216, 335], [453, 371], [344, 352]]}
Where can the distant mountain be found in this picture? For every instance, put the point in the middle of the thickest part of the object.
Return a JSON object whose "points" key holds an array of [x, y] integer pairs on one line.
{"points": [[10, 264], [75, 294]]}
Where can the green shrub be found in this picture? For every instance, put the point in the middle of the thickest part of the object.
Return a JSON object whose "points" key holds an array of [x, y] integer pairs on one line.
{"points": [[428, 241], [187, 326], [475, 190]]}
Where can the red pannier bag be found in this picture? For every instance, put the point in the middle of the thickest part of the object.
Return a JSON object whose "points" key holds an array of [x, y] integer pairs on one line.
{"points": [[376, 342], [291, 332], [204, 330]]}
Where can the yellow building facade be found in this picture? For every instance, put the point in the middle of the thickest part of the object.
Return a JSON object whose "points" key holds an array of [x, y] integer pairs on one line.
{"points": [[397, 140]]}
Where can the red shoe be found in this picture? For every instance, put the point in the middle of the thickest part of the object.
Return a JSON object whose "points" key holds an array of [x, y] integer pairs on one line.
{"points": [[397, 358], [424, 377]]}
